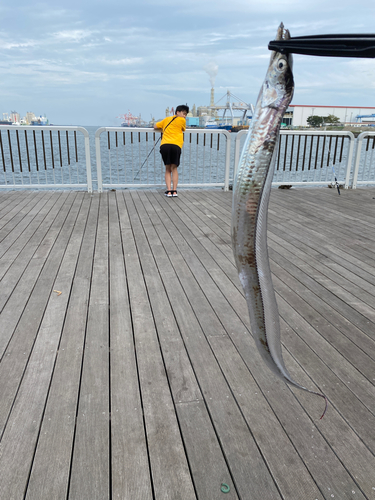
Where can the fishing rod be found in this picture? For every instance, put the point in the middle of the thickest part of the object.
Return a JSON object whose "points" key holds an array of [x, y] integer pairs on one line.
{"points": [[161, 135], [333, 170], [337, 184], [349, 45], [148, 157]]}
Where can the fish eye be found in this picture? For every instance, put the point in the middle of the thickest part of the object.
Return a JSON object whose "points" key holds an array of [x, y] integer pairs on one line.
{"points": [[281, 65]]}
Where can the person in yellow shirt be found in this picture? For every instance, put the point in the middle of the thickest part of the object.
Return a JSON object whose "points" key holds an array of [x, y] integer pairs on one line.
{"points": [[172, 141]]}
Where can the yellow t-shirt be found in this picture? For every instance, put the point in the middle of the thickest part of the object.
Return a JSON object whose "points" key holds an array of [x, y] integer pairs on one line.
{"points": [[174, 133]]}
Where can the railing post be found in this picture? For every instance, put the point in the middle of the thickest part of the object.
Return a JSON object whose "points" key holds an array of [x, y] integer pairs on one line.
{"points": [[98, 159], [357, 159], [349, 161], [88, 160], [227, 161]]}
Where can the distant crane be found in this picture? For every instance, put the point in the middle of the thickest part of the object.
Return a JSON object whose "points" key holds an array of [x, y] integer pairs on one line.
{"points": [[129, 119], [230, 106], [358, 118], [169, 112]]}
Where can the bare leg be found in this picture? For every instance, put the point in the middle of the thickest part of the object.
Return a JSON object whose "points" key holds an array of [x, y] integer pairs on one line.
{"points": [[174, 172], [168, 176]]}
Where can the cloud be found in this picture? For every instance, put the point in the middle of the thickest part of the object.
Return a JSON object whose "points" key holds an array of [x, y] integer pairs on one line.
{"points": [[18, 45], [122, 62], [149, 54], [73, 36]]}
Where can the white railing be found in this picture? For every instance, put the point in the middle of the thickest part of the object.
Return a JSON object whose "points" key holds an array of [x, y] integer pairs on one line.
{"points": [[128, 157], [364, 163], [309, 157], [59, 157], [44, 156]]}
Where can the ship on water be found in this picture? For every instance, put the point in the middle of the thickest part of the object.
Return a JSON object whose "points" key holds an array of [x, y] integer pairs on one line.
{"points": [[40, 120], [30, 119], [130, 120]]}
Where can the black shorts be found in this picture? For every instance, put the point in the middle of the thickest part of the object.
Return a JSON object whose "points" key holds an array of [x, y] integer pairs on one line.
{"points": [[170, 154]]}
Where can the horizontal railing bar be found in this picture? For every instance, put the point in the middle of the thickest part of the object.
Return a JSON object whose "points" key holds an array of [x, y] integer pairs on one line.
{"points": [[44, 127], [41, 186], [211, 184]]}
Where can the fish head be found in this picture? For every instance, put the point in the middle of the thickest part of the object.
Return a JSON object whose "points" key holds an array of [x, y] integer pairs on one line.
{"points": [[278, 85]]}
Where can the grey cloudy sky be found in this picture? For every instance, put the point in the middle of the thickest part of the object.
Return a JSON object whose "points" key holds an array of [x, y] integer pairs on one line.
{"points": [[86, 62]]}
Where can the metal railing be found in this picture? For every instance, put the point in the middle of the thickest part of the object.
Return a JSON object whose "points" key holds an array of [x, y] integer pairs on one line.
{"points": [[129, 157], [364, 162], [44, 156], [309, 157], [59, 157]]}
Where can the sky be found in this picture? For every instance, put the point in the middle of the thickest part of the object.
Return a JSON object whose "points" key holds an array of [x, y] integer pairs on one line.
{"points": [[89, 62]]}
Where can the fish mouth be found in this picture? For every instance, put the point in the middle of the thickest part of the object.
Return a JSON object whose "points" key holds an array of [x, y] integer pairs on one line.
{"points": [[282, 34]]}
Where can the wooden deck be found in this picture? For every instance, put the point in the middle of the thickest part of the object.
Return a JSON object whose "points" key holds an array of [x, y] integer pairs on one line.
{"points": [[127, 367]]}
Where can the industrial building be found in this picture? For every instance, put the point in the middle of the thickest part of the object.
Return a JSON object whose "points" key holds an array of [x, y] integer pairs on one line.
{"points": [[208, 116], [299, 113]]}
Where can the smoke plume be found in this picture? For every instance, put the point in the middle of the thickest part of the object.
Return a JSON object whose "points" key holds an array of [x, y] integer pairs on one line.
{"points": [[211, 69]]}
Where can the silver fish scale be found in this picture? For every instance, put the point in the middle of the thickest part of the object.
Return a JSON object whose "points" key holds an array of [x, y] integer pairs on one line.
{"points": [[250, 219], [251, 194]]}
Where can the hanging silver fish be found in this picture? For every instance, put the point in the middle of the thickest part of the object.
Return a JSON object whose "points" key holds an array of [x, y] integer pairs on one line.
{"points": [[251, 193]]}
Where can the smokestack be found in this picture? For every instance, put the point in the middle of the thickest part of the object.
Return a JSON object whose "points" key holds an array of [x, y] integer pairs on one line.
{"points": [[212, 102]]}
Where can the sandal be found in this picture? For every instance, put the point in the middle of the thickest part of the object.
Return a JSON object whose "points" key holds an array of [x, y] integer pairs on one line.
{"points": [[174, 193], [169, 194]]}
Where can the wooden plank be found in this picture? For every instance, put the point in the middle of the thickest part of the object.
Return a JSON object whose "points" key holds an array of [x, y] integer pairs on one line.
{"points": [[208, 229], [242, 454], [339, 472], [90, 476], [14, 225], [339, 274], [221, 253], [20, 344], [165, 446], [130, 464], [332, 235], [169, 273], [12, 204], [208, 465], [309, 478], [341, 256], [281, 257], [296, 423], [16, 259], [182, 380], [337, 351], [329, 297], [355, 456], [23, 424], [16, 295], [50, 473], [7, 197]]}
